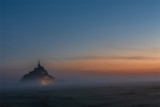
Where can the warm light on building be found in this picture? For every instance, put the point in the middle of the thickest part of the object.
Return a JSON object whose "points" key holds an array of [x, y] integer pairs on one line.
{"points": [[46, 77], [43, 82]]}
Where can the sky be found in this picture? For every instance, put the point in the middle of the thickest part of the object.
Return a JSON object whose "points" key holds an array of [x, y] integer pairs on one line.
{"points": [[80, 37]]}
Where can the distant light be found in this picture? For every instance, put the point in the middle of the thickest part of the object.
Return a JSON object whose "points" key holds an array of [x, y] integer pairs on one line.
{"points": [[46, 77], [43, 82]]}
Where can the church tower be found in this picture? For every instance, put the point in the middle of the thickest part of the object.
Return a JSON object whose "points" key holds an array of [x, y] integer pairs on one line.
{"points": [[39, 65]]}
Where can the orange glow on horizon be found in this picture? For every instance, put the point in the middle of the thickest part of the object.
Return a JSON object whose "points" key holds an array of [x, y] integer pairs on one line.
{"points": [[117, 66]]}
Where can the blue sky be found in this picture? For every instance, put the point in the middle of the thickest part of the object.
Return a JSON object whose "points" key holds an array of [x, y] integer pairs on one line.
{"points": [[65, 29]]}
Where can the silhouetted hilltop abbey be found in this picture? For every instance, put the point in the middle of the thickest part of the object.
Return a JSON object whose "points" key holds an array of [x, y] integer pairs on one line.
{"points": [[39, 75]]}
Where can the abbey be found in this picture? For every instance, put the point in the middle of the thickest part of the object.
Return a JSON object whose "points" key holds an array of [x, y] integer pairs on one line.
{"points": [[38, 75]]}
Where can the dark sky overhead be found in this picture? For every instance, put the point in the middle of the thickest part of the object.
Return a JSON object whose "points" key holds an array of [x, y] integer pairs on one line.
{"points": [[80, 35]]}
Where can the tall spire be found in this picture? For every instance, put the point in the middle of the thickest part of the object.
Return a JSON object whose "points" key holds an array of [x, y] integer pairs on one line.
{"points": [[39, 65]]}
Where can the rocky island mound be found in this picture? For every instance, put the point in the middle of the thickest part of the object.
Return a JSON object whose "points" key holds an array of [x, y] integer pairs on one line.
{"points": [[38, 75]]}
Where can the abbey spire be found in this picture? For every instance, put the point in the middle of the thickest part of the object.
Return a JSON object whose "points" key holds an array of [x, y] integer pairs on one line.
{"points": [[39, 65]]}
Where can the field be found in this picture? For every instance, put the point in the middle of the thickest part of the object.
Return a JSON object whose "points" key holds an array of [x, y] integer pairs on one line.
{"points": [[109, 96]]}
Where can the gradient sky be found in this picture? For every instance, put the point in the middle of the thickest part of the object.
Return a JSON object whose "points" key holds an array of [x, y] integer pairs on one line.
{"points": [[85, 36]]}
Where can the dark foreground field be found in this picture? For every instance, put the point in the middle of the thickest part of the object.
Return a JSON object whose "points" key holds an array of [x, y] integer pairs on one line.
{"points": [[116, 96]]}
